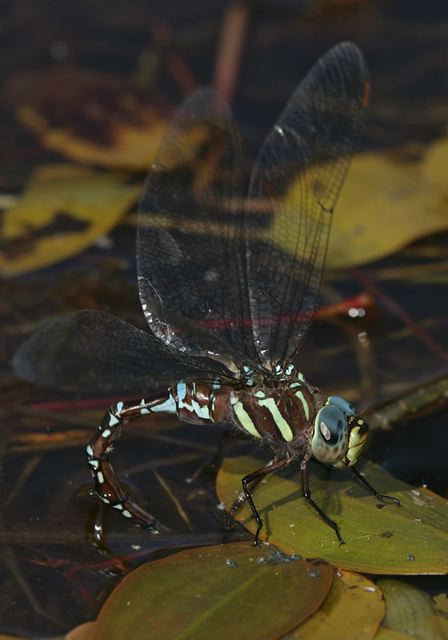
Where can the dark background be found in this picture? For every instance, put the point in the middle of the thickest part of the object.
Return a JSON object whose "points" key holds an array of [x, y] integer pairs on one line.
{"points": [[50, 580]]}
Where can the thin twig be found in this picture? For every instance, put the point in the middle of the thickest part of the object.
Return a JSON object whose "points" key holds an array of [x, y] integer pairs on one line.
{"points": [[180, 510]]}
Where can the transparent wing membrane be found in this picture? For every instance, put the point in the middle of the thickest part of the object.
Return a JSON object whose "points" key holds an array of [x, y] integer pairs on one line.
{"points": [[224, 280], [308, 149], [92, 351], [191, 253]]}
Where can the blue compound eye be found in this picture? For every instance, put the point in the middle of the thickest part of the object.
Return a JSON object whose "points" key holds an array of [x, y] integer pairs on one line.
{"points": [[332, 424], [330, 434], [341, 404]]}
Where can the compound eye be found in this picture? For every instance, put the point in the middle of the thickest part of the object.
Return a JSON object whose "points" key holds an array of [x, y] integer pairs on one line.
{"points": [[343, 405], [332, 424], [330, 436]]}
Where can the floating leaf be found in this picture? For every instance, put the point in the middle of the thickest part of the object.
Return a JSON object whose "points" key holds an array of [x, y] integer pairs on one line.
{"points": [[90, 117], [390, 634], [250, 593], [62, 211], [410, 610], [84, 631], [410, 539], [441, 603], [385, 203], [353, 608]]}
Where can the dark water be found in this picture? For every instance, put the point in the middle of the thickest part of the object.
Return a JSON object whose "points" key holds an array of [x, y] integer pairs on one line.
{"points": [[51, 577]]}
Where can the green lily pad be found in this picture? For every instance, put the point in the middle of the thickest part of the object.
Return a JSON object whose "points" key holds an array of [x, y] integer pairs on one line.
{"points": [[251, 593], [353, 608], [410, 539]]}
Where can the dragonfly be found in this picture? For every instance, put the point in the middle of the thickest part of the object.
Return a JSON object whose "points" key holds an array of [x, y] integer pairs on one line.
{"points": [[228, 278]]}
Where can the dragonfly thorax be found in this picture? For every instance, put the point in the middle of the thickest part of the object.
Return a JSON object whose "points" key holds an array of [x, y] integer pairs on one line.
{"points": [[280, 410]]}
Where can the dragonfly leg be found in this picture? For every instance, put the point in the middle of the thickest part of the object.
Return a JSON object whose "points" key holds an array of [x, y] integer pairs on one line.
{"points": [[366, 484], [307, 495], [249, 483], [107, 485]]}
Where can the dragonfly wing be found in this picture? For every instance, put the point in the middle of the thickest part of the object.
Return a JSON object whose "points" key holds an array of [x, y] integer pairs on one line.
{"points": [[92, 351], [312, 143], [190, 254]]}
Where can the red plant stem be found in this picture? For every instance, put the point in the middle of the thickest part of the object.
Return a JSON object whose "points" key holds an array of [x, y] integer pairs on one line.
{"points": [[327, 311], [230, 47], [177, 66]]}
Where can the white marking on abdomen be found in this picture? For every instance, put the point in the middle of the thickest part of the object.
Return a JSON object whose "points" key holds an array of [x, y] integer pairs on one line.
{"points": [[194, 407], [169, 406], [279, 420], [113, 420], [245, 419]]}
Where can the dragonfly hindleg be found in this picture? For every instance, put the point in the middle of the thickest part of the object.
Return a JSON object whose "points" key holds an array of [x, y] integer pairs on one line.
{"points": [[366, 484], [107, 485]]}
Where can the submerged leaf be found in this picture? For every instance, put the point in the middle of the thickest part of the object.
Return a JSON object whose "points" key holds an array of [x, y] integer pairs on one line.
{"points": [[353, 608], [250, 593], [385, 203], [62, 211], [410, 539], [410, 610], [90, 117], [435, 165]]}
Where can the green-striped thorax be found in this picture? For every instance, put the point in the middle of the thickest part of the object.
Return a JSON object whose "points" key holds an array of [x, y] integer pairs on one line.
{"points": [[339, 435]]}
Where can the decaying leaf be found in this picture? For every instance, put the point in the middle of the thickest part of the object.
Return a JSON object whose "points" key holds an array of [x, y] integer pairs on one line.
{"points": [[90, 117], [410, 610], [353, 608], [84, 631]]}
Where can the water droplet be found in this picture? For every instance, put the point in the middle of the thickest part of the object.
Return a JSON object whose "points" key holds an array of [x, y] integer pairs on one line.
{"points": [[231, 563], [314, 574]]}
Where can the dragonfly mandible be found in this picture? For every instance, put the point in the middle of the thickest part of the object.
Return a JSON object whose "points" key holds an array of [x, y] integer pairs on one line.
{"points": [[229, 279]]}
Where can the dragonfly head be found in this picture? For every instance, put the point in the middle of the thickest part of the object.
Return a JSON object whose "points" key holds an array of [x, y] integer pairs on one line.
{"points": [[339, 435]]}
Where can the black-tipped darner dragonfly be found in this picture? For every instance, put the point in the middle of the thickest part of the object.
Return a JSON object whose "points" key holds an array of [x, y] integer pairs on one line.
{"points": [[228, 284]]}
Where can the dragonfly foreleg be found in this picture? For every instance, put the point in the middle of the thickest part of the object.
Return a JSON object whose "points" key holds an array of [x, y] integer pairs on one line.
{"points": [[249, 483], [307, 495], [366, 484], [107, 485]]}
